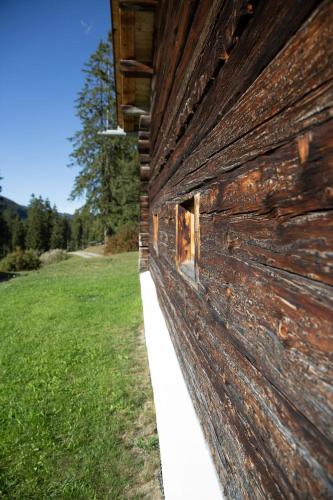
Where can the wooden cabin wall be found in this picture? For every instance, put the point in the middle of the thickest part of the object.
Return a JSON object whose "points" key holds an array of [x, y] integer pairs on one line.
{"points": [[242, 115]]}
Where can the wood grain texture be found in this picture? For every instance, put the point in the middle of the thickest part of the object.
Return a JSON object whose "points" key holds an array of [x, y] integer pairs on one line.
{"points": [[242, 123], [268, 435], [180, 13], [275, 94]]}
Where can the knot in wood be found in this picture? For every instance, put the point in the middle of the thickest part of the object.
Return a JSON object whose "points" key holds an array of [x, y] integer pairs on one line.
{"points": [[283, 330]]}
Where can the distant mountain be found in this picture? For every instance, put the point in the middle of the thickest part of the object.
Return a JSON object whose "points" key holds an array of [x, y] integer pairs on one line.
{"points": [[21, 210]]}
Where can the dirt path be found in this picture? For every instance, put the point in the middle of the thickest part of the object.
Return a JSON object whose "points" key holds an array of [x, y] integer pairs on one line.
{"points": [[86, 255]]}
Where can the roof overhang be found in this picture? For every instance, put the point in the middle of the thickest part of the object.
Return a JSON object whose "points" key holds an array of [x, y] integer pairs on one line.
{"points": [[132, 32]]}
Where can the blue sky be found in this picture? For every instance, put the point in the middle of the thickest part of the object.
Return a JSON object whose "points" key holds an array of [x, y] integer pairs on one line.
{"points": [[43, 46]]}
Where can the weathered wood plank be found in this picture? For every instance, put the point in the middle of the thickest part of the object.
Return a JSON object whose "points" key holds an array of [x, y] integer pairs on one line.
{"points": [[143, 146], [144, 172], [180, 13], [283, 214], [242, 116], [292, 311], [144, 215], [144, 158], [144, 134], [315, 108], [144, 122], [144, 202], [261, 416], [281, 85], [205, 51], [144, 226], [204, 17], [144, 187]]}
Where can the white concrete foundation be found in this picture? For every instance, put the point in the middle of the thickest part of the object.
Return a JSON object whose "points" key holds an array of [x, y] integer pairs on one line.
{"points": [[187, 467]]}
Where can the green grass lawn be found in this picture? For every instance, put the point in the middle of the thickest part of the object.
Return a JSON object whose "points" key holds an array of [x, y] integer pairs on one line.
{"points": [[76, 413]]}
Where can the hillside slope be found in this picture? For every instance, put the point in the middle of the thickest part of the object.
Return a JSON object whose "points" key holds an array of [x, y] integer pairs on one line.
{"points": [[6, 203]]}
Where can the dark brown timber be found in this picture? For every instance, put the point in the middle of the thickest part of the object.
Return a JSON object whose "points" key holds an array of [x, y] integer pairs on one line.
{"points": [[241, 122], [135, 69]]}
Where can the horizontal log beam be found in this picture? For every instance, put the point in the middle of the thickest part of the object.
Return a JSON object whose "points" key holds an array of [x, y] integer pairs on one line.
{"points": [[144, 158], [132, 110], [138, 5], [135, 69], [143, 146], [144, 122], [144, 202], [144, 227], [144, 134], [144, 172], [144, 185]]}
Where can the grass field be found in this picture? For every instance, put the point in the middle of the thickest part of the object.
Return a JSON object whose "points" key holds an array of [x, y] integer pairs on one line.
{"points": [[77, 419]]}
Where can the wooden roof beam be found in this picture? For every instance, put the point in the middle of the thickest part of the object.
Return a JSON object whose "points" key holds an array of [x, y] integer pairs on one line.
{"points": [[132, 110], [144, 158], [144, 134], [135, 69], [138, 4], [143, 147], [144, 172], [144, 122]]}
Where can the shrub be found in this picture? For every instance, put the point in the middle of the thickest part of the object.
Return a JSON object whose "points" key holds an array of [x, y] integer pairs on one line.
{"points": [[53, 256], [20, 260], [125, 240]]}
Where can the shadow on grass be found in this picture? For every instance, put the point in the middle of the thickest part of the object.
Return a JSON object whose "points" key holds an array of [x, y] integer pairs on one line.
{"points": [[7, 276]]}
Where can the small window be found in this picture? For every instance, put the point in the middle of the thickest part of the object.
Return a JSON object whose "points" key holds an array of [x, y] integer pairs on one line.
{"points": [[187, 237], [155, 232]]}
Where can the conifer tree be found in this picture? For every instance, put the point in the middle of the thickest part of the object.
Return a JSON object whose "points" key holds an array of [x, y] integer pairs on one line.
{"points": [[8, 216], [4, 232], [67, 232], [58, 236], [59, 231], [18, 233], [48, 224], [125, 191], [39, 224], [111, 193], [77, 231]]}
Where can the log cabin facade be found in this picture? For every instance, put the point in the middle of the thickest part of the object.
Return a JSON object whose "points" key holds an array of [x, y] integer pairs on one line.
{"points": [[232, 102]]}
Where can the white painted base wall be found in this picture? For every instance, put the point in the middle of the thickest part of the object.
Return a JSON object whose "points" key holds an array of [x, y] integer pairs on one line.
{"points": [[187, 467]]}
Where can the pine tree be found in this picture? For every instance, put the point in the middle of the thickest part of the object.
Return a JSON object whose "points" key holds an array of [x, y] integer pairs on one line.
{"points": [[4, 232], [39, 224], [77, 231], [18, 233], [9, 216], [110, 194], [125, 192], [48, 224], [59, 234], [67, 232], [59, 231], [3, 236]]}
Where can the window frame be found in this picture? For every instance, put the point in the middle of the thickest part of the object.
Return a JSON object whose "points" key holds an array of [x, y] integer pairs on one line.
{"points": [[188, 238]]}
